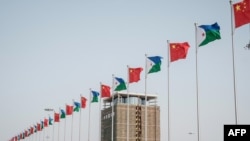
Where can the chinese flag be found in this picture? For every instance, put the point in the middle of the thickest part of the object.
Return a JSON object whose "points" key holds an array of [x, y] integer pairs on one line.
{"points": [[46, 122], [178, 51], [134, 74], [105, 91], [39, 127], [31, 130], [241, 13], [26, 133], [56, 117], [69, 110], [83, 102]]}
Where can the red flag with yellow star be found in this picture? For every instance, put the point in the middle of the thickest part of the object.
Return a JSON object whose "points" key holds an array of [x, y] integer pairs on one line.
{"points": [[178, 51], [134, 74], [241, 13], [56, 117], [83, 102], [46, 121], [105, 91], [69, 110]]}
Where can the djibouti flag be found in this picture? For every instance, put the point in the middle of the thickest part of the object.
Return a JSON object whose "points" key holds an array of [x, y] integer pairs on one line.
{"points": [[119, 84], [153, 64], [207, 33]]}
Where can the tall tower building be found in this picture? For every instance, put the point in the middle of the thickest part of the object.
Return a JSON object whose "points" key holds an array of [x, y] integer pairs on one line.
{"points": [[129, 122]]}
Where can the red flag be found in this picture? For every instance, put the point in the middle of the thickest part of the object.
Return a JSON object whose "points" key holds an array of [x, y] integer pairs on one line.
{"points": [[39, 127], [83, 102], [56, 117], [46, 122], [105, 91], [12, 139], [31, 130], [26, 133], [241, 13], [178, 51], [134, 74], [69, 110], [21, 136]]}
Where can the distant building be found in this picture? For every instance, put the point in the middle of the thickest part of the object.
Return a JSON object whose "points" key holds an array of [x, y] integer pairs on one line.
{"points": [[136, 124]]}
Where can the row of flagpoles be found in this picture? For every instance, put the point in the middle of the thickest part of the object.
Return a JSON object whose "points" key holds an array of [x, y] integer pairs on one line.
{"points": [[240, 15], [105, 91]]}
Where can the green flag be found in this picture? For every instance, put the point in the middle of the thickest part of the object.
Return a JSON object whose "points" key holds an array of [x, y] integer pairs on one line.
{"points": [[77, 106], [119, 84], [50, 121], [207, 34], [154, 64], [63, 114], [95, 95]]}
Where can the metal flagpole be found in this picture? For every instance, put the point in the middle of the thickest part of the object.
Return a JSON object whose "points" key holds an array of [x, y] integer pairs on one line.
{"points": [[59, 125], [42, 125], [80, 119], [89, 116], [168, 92], [235, 97], [197, 90], [72, 122], [128, 105], [65, 125], [43, 129], [40, 134], [36, 132], [32, 138], [53, 128], [32, 135], [156, 117], [100, 113], [146, 122], [112, 132], [48, 131]]}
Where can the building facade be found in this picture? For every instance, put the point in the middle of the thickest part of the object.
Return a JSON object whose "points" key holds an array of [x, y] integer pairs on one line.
{"points": [[132, 116]]}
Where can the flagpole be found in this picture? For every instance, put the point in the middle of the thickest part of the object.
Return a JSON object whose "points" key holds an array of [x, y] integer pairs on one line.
{"points": [[100, 114], [37, 135], [40, 134], [53, 128], [128, 105], [168, 92], [89, 117], [29, 135], [72, 122], [59, 125], [232, 38], [146, 122], [34, 134], [43, 130], [112, 132], [197, 90], [32, 138], [80, 119], [65, 125], [48, 130]]}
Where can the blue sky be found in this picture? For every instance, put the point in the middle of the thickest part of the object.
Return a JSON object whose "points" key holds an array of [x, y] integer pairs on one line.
{"points": [[53, 51]]}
